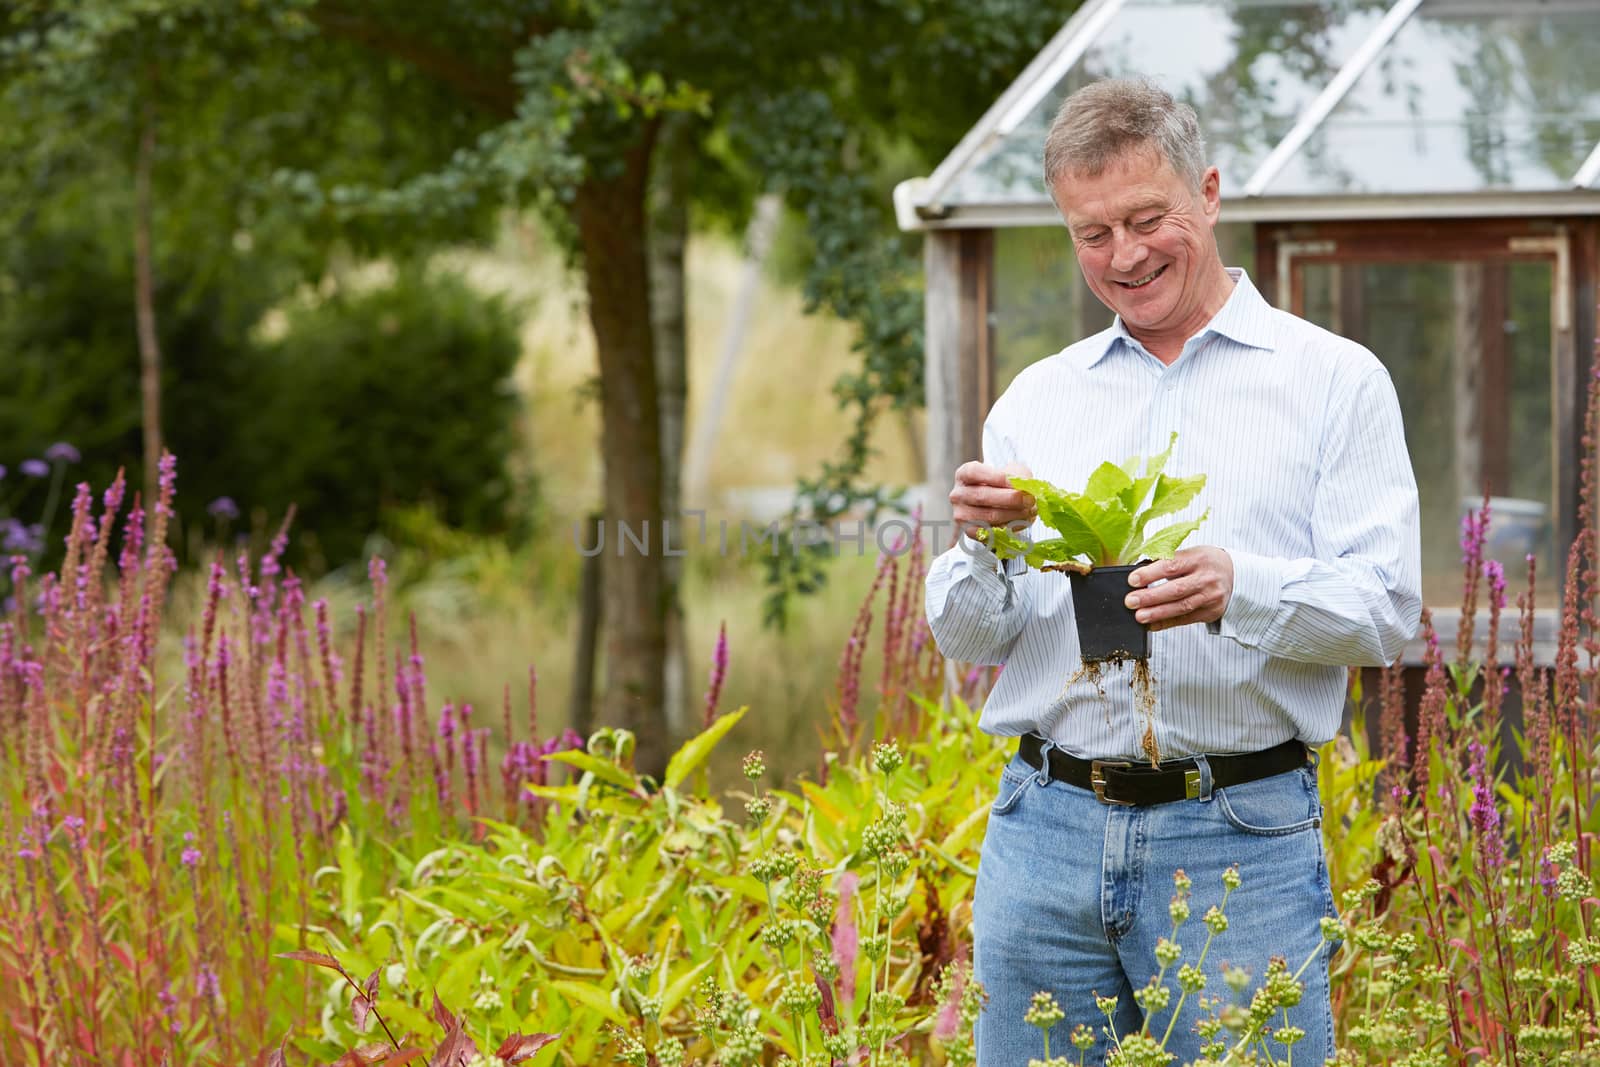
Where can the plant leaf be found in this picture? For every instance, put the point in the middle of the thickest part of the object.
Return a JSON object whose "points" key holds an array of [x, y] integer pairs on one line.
{"points": [[456, 1050], [441, 1014], [1055, 550], [696, 750], [1163, 544], [519, 1047], [409, 1054], [360, 1007], [1156, 464], [604, 770], [1173, 494], [1108, 480], [1060, 511], [370, 986], [316, 959]]}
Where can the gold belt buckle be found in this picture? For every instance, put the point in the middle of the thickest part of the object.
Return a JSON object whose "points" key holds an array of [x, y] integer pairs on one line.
{"points": [[1097, 779]]}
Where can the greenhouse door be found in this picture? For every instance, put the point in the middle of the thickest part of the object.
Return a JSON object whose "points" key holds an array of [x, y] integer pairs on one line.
{"points": [[1474, 323]]}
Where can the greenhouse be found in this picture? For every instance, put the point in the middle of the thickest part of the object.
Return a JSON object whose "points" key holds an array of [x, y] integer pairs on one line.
{"points": [[1422, 176]]}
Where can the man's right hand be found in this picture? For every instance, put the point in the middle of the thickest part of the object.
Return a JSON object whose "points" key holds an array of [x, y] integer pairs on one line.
{"points": [[983, 497]]}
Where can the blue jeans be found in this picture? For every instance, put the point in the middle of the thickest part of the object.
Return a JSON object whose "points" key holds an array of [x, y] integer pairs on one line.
{"points": [[1073, 895]]}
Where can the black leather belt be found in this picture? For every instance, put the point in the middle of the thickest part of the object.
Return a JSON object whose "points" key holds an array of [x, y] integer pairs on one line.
{"points": [[1119, 782]]}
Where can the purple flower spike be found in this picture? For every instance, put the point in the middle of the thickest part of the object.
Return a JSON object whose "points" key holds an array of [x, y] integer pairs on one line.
{"points": [[223, 508], [34, 468], [2, 471], [61, 452]]}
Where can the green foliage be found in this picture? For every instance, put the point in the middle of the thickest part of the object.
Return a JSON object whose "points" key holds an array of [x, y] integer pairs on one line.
{"points": [[376, 398], [654, 917], [67, 341], [1106, 524], [390, 396]]}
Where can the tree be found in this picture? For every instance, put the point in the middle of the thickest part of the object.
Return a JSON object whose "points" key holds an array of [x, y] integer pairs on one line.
{"points": [[569, 106]]}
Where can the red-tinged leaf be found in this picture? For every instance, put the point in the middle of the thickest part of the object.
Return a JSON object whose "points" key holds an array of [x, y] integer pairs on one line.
{"points": [[519, 1047], [316, 959], [457, 1049], [370, 986], [360, 1008], [442, 1014], [365, 1056], [1472, 953], [826, 1012], [410, 1054], [120, 954], [275, 1058]]}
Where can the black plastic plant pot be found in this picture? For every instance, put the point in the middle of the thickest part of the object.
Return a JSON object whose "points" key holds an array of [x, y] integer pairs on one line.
{"points": [[1107, 629]]}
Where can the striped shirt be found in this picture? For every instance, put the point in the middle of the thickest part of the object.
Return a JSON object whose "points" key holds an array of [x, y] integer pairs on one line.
{"points": [[1310, 488]]}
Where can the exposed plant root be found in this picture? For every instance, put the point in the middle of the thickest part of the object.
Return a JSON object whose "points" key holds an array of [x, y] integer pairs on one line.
{"points": [[1143, 684]]}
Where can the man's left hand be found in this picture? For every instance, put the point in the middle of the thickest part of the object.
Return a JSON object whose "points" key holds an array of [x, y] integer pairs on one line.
{"points": [[1196, 584]]}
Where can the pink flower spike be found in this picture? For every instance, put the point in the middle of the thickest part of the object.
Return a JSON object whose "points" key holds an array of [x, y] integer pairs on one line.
{"points": [[949, 1017], [719, 672], [846, 939]]}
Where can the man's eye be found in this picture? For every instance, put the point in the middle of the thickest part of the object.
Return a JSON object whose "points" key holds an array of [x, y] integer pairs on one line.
{"points": [[1093, 238], [1147, 225]]}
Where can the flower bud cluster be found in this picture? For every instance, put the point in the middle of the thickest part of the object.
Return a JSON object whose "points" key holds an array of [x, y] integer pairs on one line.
{"points": [[799, 997], [743, 1047], [1139, 1050], [1191, 979], [772, 866], [887, 758], [1153, 997], [1044, 1012]]}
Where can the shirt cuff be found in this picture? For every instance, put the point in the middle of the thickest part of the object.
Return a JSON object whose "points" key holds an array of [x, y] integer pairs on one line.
{"points": [[1257, 588]]}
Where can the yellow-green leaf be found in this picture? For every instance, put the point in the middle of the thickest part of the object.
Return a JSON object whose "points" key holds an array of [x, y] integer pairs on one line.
{"points": [[688, 759], [607, 772]]}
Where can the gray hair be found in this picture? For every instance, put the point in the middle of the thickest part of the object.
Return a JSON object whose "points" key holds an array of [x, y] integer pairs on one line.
{"points": [[1105, 120]]}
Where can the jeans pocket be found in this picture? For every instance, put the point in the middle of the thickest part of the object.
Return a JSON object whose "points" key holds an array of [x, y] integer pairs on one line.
{"points": [[1272, 807], [1013, 783]]}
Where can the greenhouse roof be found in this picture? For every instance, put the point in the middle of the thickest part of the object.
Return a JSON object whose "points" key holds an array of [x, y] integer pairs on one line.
{"points": [[1338, 109]]}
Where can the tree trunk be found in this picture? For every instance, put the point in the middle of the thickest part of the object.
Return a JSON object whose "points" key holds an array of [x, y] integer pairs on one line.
{"points": [[580, 711], [609, 211], [669, 237], [144, 303]]}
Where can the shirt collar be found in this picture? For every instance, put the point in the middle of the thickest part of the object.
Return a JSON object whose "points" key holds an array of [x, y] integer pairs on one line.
{"points": [[1243, 318]]}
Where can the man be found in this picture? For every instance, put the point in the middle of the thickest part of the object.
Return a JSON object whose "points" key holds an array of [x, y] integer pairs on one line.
{"points": [[1311, 566]]}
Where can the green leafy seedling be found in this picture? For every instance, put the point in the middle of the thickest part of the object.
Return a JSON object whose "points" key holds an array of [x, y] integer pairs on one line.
{"points": [[1106, 524]]}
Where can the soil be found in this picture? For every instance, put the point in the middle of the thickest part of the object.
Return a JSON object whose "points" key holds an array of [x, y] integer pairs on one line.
{"points": [[1143, 684]]}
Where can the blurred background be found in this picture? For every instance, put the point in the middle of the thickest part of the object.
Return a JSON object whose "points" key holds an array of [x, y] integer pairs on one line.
{"points": [[437, 283]]}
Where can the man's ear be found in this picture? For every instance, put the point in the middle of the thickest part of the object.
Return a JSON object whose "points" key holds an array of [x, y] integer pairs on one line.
{"points": [[1211, 194]]}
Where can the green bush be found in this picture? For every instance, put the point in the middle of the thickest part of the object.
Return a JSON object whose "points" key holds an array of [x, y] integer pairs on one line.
{"points": [[68, 344], [388, 397], [392, 396]]}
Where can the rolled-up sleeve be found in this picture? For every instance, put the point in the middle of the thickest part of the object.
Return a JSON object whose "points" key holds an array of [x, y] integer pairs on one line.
{"points": [[1357, 600]]}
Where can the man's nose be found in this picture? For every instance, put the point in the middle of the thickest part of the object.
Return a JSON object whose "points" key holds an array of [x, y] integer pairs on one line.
{"points": [[1127, 251]]}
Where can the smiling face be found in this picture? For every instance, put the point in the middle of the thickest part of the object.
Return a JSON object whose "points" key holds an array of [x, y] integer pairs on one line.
{"points": [[1144, 239]]}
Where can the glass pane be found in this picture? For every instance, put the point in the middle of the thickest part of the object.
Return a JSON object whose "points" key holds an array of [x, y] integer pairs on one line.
{"points": [[1249, 67], [1041, 303], [1468, 97], [1469, 348]]}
